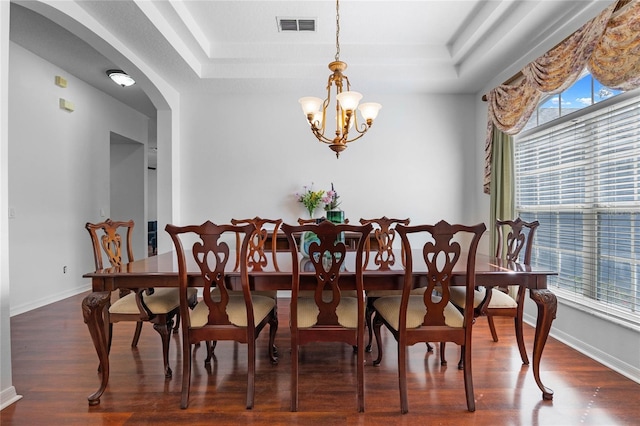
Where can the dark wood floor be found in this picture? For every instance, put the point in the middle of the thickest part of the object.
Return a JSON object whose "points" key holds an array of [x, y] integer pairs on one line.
{"points": [[54, 369]]}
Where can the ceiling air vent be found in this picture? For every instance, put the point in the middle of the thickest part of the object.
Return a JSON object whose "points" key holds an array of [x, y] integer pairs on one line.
{"points": [[296, 24]]}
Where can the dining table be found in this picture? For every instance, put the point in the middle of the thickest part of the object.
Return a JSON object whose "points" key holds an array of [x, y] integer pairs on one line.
{"points": [[162, 271]]}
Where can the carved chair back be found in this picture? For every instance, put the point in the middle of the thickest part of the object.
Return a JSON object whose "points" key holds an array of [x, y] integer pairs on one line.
{"points": [[211, 253], [257, 258], [110, 242], [440, 255], [385, 234], [520, 236], [327, 258]]}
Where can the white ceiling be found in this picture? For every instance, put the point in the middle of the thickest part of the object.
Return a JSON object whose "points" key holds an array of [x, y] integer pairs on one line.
{"points": [[452, 46]]}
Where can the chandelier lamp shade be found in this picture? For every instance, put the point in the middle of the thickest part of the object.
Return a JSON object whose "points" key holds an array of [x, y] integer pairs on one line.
{"points": [[322, 116]]}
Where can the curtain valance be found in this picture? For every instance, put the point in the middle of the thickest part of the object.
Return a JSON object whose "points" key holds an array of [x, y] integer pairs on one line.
{"points": [[608, 45]]}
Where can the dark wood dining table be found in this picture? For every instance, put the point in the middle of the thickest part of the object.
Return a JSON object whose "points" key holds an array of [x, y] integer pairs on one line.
{"points": [[162, 271]]}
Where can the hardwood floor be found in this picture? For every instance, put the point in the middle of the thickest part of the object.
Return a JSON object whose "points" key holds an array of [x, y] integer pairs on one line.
{"points": [[55, 369]]}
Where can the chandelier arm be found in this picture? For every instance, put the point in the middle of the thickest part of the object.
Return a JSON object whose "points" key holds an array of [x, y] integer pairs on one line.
{"points": [[347, 80], [365, 127], [356, 138], [321, 137]]}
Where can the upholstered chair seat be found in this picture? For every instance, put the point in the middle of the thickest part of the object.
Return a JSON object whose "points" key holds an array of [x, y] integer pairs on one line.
{"points": [[389, 307], [236, 309], [373, 294], [162, 301], [499, 299], [347, 312]]}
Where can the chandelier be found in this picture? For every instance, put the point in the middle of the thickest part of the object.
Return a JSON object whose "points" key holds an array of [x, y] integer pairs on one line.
{"points": [[319, 114]]}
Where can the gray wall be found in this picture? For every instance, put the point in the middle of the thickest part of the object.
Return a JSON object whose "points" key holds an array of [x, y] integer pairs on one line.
{"points": [[60, 177]]}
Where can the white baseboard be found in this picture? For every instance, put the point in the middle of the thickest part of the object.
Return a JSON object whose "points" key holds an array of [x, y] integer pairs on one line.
{"points": [[38, 303], [629, 371], [8, 396]]}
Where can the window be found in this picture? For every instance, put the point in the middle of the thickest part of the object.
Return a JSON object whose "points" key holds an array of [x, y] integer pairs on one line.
{"points": [[584, 92], [579, 176]]}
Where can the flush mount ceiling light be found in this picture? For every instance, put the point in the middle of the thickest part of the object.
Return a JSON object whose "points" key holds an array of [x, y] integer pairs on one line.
{"points": [[315, 109], [121, 78]]}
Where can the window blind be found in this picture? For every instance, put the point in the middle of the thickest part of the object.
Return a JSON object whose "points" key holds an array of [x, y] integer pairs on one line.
{"points": [[579, 176]]}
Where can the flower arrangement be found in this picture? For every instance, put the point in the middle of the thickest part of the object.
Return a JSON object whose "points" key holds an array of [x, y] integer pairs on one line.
{"points": [[310, 198], [330, 200]]}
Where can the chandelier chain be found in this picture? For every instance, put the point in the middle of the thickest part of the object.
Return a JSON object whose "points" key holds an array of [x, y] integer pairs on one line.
{"points": [[337, 30]]}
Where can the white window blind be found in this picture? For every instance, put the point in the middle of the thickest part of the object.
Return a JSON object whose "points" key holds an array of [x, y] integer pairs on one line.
{"points": [[579, 176]]}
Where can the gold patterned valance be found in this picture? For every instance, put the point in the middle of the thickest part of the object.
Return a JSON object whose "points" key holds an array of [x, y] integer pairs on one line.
{"points": [[615, 61], [608, 45]]}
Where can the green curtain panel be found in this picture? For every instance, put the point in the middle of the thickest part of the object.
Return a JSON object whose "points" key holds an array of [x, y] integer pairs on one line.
{"points": [[502, 186]]}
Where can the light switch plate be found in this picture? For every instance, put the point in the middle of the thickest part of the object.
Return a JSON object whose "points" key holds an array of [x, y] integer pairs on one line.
{"points": [[61, 81], [66, 105]]}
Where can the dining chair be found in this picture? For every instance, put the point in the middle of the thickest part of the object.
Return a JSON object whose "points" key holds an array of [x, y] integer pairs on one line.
{"points": [[301, 221], [384, 234], [221, 314], [158, 306], [261, 255], [328, 315], [413, 318], [514, 244]]}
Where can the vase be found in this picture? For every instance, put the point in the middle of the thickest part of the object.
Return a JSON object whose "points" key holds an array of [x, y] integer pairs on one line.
{"points": [[306, 238], [335, 216]]}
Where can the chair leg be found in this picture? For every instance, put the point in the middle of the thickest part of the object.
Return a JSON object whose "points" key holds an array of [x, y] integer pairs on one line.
{"points": [[186, 371], [273, 328], [294, 376], [109, 337], [176, 326], [164, 329], [376, 329], [251, 373], [368, 317], [468, 379], [492, 327], [443, 359], [520, 340], [360, 373], [402, 378], [211, 346], [136, 334]]}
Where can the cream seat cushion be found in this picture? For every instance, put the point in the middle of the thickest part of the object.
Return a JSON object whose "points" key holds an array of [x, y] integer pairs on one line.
{"points": [[389, 308], [267, 293], [236, 310], [162, 301], [384, 293], [498, 298], [347, 312], [343, 293]]}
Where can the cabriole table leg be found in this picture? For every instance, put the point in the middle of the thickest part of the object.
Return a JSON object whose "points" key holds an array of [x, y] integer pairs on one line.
{"points": [[547, 308], [93, 312]]}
